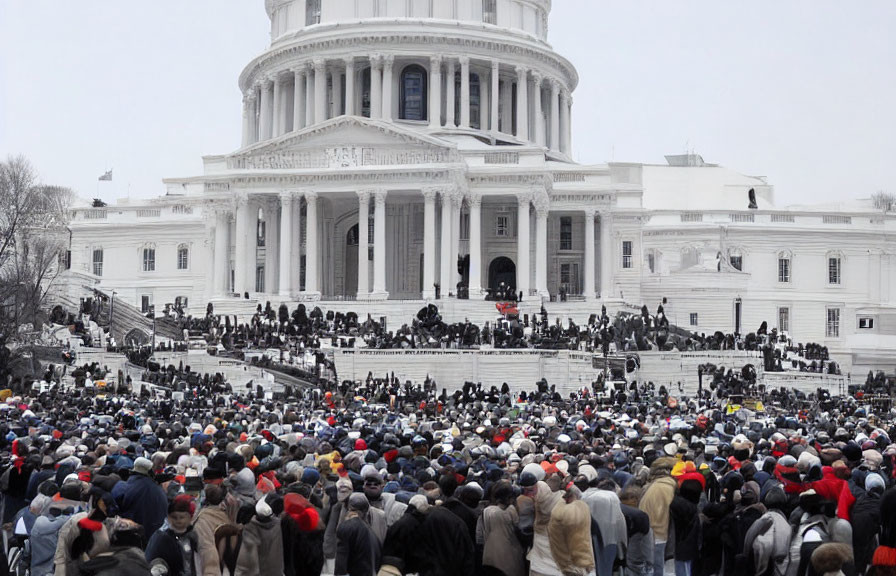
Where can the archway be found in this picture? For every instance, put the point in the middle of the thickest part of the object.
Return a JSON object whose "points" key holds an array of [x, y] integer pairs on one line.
{"points": [[502, 269], [137, 337], [350, 282]]}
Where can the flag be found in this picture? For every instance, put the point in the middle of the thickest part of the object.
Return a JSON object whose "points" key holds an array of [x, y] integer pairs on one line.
{"points": [[107, 177]]}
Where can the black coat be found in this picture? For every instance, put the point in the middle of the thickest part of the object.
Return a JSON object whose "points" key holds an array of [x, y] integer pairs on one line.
{"points": [[357, 549], [402, 541], [446, 543], [865, 527], [688, 535], [303, 552]]}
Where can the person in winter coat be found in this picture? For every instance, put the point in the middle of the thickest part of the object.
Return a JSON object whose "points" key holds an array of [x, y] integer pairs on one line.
{"points": [[261, 551], [655, 502], [177, 544], [817, 526], [213, 514], [639, 551], [140, 499], [569, 532], [502, 553], [686, 518], [403, 537], [446, 544], [541, 559], [866, 521], [45, 536], [357, 549], [883, 562], [85, 535], [606, 512], [303, 537], [767, 543]]}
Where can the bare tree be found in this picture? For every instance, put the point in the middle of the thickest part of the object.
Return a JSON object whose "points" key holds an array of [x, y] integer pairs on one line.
{"points": [[33, 241]]}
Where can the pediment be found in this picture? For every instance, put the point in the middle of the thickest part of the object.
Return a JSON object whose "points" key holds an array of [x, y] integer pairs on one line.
{"points": [[345, 142]]}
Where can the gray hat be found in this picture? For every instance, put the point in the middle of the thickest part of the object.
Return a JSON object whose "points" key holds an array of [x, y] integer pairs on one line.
{"points": [[358, 502], [142, 466]]}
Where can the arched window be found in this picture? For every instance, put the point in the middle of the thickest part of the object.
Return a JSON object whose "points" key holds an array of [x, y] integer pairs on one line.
{"points": [[149, 258], [736, 258], [785, 266], [97, 261], [412, 90], [183, 257]]}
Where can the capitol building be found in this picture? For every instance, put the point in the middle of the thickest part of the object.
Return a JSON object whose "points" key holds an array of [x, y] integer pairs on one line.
{"points": [[398, 152]]}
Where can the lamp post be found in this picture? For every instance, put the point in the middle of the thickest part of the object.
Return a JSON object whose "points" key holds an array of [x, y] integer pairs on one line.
{"points": [[112, 315]]}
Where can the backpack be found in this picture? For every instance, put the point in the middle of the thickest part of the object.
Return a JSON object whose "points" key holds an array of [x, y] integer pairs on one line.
{"points": [[796, 543]]}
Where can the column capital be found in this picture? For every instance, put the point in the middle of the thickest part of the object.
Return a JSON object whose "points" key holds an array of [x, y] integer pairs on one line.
{"points": [[287, 196], [275, 78], [365, 194], [538, 78], [308, 194], [496, 66], [388, 59], [380, 196], [376, 61], [430, 192], [464, 60], [349, 62], [555, 85], [298, 70], [521, 71], [565, 96], [435, 60], [240, 200], [590, 212], [474, 199], [449, 193], [524, 198], [320, 65]]}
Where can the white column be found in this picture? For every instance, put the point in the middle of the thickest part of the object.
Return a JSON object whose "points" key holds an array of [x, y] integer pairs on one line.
{"points": [[567, 133], [245, 140], [522, 245], [252, 243], [271, 245], [606, 257], [275, 108], [349, 86], [222, 251], [376, 86], [241, 243], [253, 116], [539, 120], [379, 246], [286, 223], [445, 275], [564, 122], [457, 204], [363, 243], [388, 61], [541, 249], [337, 91], [435, 92], [266, 112], [320, 90], [309, 95], [522, 103], [589, 254], [311, 253], [555, 115], [429, 241], [465, 92], [475, 288], [495, 96], [298, 103], [450, 104]]}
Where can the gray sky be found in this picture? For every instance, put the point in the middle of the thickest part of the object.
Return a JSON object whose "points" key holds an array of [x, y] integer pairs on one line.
{"points": [[800, 91]]}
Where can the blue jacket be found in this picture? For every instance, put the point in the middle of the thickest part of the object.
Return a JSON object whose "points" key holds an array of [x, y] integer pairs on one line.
{"points": [[142, 500]]}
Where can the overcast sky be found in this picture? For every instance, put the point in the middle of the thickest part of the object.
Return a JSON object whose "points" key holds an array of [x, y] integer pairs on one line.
{"points": [[801, 91]]}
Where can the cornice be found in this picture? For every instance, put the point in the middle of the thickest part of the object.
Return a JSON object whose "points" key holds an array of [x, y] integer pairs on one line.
{"points": [[358, 41]]}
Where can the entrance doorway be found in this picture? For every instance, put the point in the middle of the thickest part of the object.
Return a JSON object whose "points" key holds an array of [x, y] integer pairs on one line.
{"points": [[502, 269], [350, 282]]}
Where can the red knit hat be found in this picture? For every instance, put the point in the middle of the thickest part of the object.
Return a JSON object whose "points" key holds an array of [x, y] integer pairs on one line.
{"points": [[301, 511], [360, 444]]}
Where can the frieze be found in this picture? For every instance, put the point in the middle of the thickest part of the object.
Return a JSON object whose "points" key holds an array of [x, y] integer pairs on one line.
{"points": [[337, 157], [584, 197], [430, 177]]}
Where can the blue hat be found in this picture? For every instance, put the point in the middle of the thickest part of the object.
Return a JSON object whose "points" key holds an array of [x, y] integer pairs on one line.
{"points": [[310, 476]]}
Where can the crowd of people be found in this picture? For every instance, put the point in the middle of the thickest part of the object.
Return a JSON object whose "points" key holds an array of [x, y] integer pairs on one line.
{"points": [[383, 477]]}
